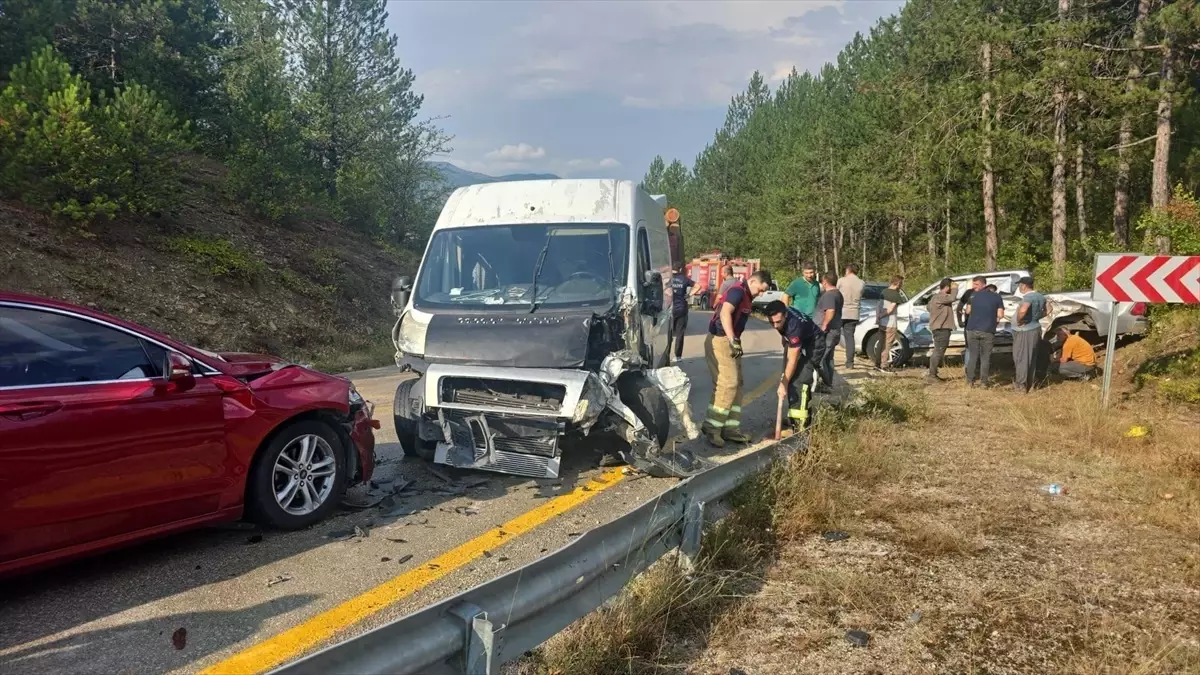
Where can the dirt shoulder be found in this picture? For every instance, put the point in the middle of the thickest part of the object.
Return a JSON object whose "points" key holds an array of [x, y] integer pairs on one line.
{"points": [[954, 560], [957, 563]]}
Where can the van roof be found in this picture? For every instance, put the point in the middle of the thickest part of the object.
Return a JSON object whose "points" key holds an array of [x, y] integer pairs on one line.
{"points": [[535, 202]]}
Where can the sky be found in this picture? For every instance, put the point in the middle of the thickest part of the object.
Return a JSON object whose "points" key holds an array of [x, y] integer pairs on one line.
{"points": [[597, 89]]}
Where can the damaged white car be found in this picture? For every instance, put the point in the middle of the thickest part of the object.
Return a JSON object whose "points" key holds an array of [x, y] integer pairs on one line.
{"points": [[540, 314]]}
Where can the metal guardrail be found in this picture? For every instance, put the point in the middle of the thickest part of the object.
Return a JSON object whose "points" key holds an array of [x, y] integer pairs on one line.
{"points": [[478, 630]]}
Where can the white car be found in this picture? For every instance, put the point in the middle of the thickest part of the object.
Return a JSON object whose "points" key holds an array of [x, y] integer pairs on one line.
{"points": [[1075, 310]]}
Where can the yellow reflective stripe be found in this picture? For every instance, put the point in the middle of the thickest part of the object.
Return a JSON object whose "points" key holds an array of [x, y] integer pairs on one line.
{"points": [[800, 414], [719, 411], [710, 421], [736, 409], [733, 423]]}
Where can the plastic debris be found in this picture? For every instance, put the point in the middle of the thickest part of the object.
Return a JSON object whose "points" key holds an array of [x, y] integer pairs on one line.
{"points": [[858, 638], [835, 535], [405, 558], [914, 617], [1053, 489], [278, 579], [1136, 431]]}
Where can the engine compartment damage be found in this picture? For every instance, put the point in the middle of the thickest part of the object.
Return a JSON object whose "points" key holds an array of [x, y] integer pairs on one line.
{"points": [[513, 420]]}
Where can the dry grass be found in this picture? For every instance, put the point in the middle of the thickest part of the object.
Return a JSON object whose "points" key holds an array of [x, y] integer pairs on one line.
{"points": [[955, 562]]}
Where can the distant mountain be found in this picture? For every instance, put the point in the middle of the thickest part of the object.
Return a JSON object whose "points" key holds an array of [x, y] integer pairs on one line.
{"points": [[456, 177]]}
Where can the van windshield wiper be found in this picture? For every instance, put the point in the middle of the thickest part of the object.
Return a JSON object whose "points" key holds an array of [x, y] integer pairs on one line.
{"points": [[612, 270], [537, 270]]}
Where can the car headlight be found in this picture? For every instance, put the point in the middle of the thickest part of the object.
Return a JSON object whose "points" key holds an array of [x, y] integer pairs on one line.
{"points": [[355, 397]]}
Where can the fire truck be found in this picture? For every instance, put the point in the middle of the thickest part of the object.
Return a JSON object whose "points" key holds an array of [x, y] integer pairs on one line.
{"points": [[707, 270]]}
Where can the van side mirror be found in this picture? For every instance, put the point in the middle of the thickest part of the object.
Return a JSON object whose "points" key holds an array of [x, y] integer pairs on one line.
{"points": [[652, 292], [401, 289]]}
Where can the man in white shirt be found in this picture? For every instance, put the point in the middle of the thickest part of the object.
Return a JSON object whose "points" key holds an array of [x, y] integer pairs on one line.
{"points": [[851, 288]]}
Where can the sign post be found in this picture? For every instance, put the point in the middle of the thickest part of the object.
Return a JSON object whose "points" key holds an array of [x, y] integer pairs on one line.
{"points": [[1129, 277]]}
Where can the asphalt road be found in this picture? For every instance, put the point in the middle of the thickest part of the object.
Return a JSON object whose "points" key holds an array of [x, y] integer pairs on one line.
{"points": [[236, 599]]}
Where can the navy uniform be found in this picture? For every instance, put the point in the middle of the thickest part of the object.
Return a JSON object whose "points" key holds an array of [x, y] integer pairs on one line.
{"points": [[799, 332], [680, 283]]}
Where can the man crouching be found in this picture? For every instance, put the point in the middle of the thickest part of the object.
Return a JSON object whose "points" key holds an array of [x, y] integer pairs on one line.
{"points": [[800, 336], [723, 352]]}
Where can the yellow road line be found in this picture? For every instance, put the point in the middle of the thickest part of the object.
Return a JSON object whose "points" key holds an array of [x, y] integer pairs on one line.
{"points": [[296, 641], [300, 639]]}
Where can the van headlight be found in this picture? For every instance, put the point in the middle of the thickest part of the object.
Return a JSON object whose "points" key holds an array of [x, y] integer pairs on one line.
{"points": [[356, 398]]}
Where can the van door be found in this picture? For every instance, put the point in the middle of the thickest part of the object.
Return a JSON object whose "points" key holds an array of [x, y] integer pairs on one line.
{"points": [[655, 324]]}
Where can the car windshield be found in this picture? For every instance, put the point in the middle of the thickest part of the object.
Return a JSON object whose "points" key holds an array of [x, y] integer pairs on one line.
{"points": [[501, 266]]}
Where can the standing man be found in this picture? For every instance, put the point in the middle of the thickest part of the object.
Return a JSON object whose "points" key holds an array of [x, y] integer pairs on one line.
{"points": [[941, 324], [851, 288], [729, 281], [829, 316], [1027, 334], [723, 352], [680, 283], [1077, 361], [802, 293], [800, 336], [984, 313], [888, 321]]}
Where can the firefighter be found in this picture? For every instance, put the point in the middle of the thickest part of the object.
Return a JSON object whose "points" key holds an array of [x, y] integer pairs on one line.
{"points": [[800, 335], [723, 352]]}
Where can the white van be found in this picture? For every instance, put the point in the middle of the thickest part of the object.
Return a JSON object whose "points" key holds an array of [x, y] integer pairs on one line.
{"points": [[541, 311]]}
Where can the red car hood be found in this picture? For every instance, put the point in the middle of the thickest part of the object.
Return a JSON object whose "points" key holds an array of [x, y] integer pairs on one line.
{"points": [[244, 363]]}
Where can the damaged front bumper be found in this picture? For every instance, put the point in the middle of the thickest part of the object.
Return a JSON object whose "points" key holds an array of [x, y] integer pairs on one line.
{"points": [[512, 420]]}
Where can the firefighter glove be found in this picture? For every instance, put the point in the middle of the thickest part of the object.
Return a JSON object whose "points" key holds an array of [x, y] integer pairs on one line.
{"points": [[735, 345]]}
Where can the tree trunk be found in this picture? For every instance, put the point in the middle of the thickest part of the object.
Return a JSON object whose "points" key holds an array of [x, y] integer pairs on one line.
{"points": [[1058, 178], [901, 229], [946, 251], [992, 245], [1125, 135], [931, 246], [1080, 191], [824, 250], [863, 238], [1160, 190], [839, 230]]}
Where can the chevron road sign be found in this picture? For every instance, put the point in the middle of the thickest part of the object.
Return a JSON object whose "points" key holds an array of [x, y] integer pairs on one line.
{"points": [[1125, 277], [1128, 277]]}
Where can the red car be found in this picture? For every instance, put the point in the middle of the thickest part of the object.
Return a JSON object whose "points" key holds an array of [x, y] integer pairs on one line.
{"points": [[111, 433]]}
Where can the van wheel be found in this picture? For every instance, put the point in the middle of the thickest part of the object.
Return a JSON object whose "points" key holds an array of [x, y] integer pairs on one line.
{"points": [[405, 421], [648, 403], [299, 477], [901, 352]]}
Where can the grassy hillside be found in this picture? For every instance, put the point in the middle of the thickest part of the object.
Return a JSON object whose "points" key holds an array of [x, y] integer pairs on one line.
{"points": [[216, 276]]}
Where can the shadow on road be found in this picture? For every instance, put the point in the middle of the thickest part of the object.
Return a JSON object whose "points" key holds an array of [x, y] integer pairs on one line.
{"points": [[185, 638]]}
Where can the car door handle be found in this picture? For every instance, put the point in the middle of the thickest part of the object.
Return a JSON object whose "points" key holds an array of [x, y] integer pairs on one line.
{"points": [[28, 410]]}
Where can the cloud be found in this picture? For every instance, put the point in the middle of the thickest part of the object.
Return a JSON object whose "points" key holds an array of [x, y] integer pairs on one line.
{"points": [[566, 168], [521, 152]]}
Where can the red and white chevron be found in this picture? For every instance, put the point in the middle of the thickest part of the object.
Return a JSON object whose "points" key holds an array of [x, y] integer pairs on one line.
{"points": [[1124, 277]]}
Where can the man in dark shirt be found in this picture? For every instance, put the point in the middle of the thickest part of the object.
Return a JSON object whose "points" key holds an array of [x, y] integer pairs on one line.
{"points": [[828, 316], [984, 313], [889, 322], [680, 283], [800, 338], [723, 352]]}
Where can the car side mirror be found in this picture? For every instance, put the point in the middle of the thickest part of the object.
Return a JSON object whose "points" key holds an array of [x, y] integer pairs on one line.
{"points": [[177, 368], [401, 289], [652, 285]]}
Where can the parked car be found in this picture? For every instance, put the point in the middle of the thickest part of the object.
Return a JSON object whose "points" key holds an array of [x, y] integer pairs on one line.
{"points": [[1075, 310], [761, 301], [113, 433]]}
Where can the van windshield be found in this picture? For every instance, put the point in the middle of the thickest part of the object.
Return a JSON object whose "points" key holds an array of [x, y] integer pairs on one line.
{"points": [[501, 266]]}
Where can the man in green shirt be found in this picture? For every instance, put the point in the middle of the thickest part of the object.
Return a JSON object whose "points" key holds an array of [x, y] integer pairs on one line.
{"points": [[802, 293]]}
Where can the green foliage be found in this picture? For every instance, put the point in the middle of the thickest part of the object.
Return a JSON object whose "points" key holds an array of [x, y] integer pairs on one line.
{"points": [[880, 155], [218, 257], [61, 151], [1174, 370], [1178, 221]]}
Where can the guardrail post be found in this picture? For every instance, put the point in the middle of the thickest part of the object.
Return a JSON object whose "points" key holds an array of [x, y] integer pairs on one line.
{"points": [[693, 529], [481, 641]]}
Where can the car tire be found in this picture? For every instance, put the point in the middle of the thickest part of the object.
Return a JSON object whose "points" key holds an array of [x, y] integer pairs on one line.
{"points": [[287, 449], [901, 351], [406, 423]]}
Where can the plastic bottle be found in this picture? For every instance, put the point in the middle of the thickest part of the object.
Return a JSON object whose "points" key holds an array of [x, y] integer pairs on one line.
{"points": [[1053, 489]]}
